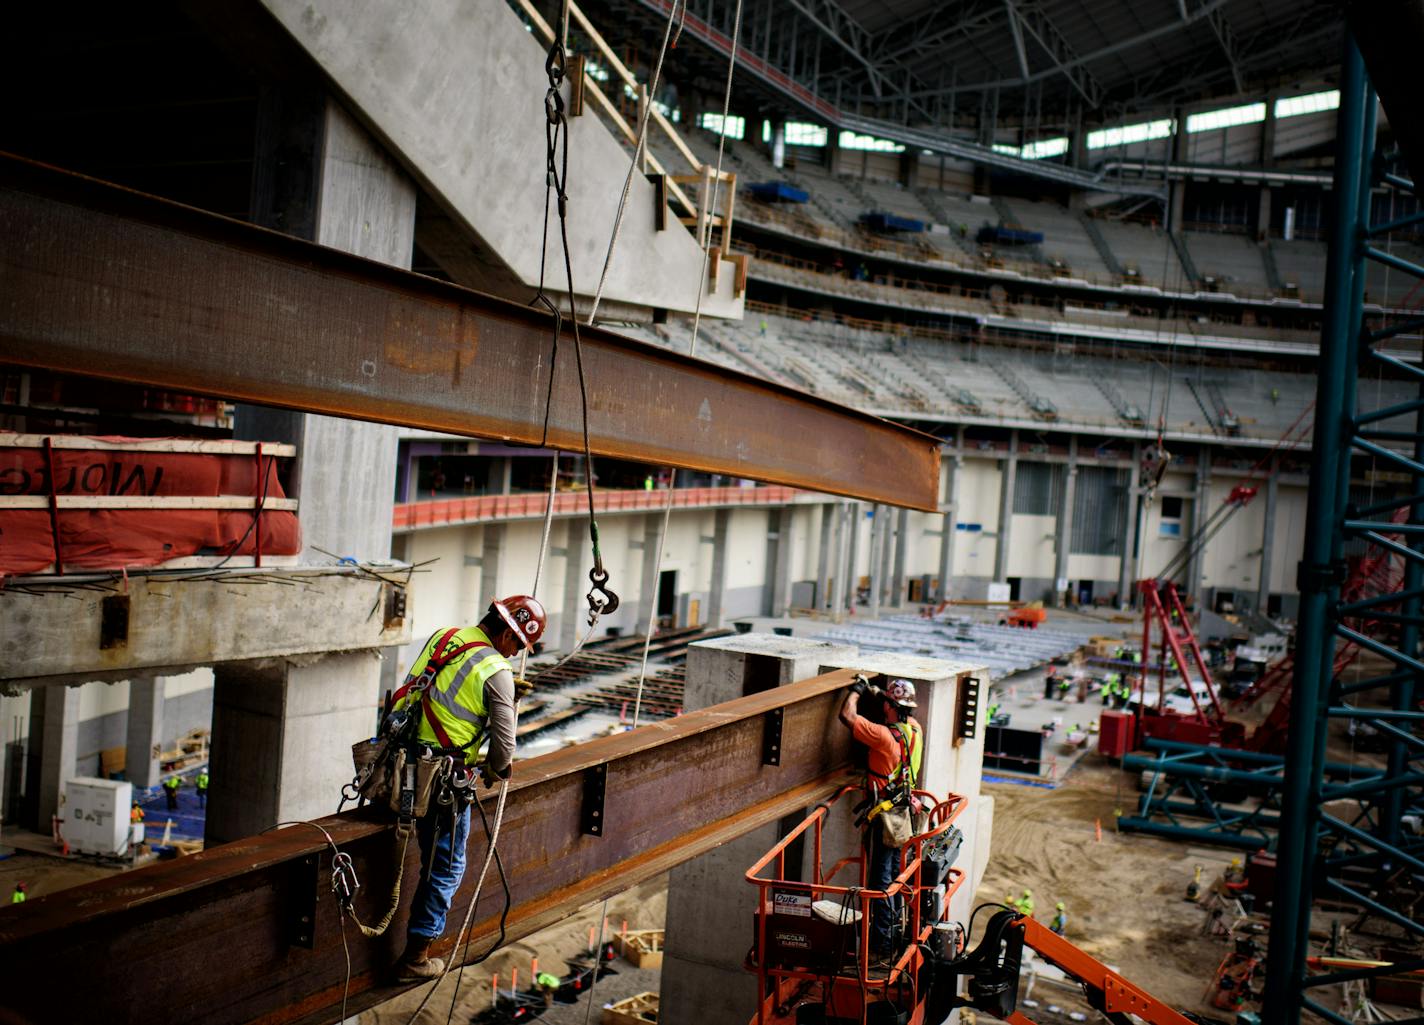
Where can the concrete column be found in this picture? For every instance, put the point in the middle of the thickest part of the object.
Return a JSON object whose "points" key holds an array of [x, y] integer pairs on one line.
{"points": [[1008, 474], [708, 899], [145, 732], [491, 555], [902, 545], [1200, 513], [54, 746], [1268, 542], [717, 591], [823, 554], [855, 521], [571, 616], [281, 739], [953, 471], [1177, 190], [877, 544], [651, 543], [838, 567], [1064, 543], [1126, 574], [781, 568], [887, 553]]}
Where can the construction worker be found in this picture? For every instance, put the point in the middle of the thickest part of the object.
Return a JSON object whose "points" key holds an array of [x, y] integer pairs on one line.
{"points": [[548, 984], [896, 749], [1048, 680], [471, 696], [18, 897], [170, 790], [1059, 925], [201, 784], [1024, 905]]}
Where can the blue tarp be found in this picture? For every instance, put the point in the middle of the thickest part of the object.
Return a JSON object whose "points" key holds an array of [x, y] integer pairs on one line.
{"points": [[880, 221], [1009, 236], [773, 192]]}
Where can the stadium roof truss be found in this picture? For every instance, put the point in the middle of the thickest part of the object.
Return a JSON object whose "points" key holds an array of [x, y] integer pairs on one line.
{"points": [[940, 75]]}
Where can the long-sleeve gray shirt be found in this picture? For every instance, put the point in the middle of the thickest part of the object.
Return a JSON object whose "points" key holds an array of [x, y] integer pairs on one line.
{"points": [[499, 706]]}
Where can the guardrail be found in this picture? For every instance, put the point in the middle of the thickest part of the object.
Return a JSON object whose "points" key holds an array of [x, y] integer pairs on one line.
{"points": [[495, 508]]}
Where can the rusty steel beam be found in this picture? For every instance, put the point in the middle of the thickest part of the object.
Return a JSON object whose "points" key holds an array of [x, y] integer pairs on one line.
{"points": [[106, 282], [217, 937]]}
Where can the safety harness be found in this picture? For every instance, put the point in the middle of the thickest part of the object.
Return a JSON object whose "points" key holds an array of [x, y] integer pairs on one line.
{"points": [[421, 685]]}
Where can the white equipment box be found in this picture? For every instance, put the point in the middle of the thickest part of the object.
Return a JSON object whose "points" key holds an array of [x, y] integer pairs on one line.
{"points": [[96, 815]]}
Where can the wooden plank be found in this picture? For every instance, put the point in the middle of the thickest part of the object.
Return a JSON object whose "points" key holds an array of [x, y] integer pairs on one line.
{"points": [[635, 1010], [192, 445], [148, 502]]}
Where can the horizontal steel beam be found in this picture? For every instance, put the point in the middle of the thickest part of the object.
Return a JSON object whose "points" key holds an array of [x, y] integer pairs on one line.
{"points": [[110, 283], [214, 937]]}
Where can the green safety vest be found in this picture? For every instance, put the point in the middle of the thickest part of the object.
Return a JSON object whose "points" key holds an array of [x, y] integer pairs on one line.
{"points": [[202, 781], [172, 783], [18, 897], [547, 981], [911, 753], [455, 700]]}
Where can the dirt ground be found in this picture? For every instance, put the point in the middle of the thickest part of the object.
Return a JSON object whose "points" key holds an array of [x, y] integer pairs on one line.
{"points": [[1124, 894]]}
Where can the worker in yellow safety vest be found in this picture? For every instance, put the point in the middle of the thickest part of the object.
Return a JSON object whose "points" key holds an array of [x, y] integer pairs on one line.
{"points": [[461, 688], [201, 785], [18, 897], [170, 790]]}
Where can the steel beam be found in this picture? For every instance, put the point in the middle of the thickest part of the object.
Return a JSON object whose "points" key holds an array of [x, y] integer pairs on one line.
{"points": [[110, 283], [233, 915]]}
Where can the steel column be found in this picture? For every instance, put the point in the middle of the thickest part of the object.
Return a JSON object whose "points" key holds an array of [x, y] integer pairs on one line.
{"points": [[109, 283]]}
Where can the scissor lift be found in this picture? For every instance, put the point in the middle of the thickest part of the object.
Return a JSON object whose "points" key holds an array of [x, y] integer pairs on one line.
{"points": [[814, 968]]}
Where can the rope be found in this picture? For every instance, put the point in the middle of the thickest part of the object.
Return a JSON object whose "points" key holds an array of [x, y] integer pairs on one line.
{"points": [[638, 149], [597, 961], [691, 351]]}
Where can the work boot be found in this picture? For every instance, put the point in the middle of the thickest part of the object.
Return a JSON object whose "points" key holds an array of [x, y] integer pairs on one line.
{"points": [[416, 964]]}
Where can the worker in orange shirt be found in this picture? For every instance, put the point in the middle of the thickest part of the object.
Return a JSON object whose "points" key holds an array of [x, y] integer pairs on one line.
{"points": [[896, 749]]}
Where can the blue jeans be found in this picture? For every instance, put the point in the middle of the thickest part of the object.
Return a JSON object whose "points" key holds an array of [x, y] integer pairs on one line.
{"points": [[447, 868], [883, 867]]}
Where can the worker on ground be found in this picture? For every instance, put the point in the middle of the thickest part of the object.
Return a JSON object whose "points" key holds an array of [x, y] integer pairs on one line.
{"points": [[201, 785], [170, 790], [18, 897], [548, 984], [1059, 925], [1024, 905], [1048, 680], [135, 814], [471, 697], [896, 749]]}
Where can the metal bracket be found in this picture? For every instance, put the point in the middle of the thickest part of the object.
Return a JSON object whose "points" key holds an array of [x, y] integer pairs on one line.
{"points": [[595, 780], [1313, 577], [966, 719], [301, 925], [771, 737]]}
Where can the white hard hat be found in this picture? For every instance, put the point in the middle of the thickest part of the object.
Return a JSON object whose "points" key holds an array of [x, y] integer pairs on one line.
{"points": [[902, 692]]}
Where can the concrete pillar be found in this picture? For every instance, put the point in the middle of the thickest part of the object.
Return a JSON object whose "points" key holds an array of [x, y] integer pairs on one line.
{"points": [[954, 467], [823, 554], [145, 732], [781, 567], [838, 563], [571, 615], [1177, 188], [1268, 542], [281, 734], [54, 746], [1008, 474], [902, 545], [281, 739], [877, 544], [1127, 567], [1200, 512], [855, 522], [717, 591], [887, 554], [651, 543], [708, 898], [1064, 543], [491, 555]]}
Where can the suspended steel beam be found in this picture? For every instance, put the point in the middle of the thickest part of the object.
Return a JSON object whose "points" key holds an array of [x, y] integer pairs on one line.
{"points": [[109, 283], [219, 936]]}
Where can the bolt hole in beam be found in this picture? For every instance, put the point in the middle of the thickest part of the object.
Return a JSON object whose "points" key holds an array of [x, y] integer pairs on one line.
{"points": [[106, 282], [674, 789]]}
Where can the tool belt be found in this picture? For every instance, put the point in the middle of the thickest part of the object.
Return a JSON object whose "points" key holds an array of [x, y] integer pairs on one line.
{"points": [[391, 776]]}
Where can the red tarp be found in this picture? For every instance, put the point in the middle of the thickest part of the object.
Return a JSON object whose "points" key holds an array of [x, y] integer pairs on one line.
{"points": [[116, 538]]}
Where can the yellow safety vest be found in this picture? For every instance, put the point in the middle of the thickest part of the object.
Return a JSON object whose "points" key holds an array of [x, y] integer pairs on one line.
{"points": [[456, 697], [911, 752]]}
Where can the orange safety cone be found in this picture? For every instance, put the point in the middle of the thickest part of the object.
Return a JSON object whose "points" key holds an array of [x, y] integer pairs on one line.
{"points": [[1098, 829]]}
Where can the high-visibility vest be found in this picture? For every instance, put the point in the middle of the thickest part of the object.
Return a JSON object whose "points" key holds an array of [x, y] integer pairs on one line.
{"points": [[18, 897], [202, 781], [172, 783], [907, 734], [453, 706]]}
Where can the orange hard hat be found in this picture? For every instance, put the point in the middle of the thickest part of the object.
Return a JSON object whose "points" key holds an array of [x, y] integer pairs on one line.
{"points": [[522, 614]]}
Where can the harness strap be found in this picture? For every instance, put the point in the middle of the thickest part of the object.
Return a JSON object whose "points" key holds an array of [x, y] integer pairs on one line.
{"points": [[438, 660]]}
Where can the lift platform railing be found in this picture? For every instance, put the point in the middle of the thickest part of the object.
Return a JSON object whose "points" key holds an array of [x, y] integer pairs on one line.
{"points": [[780, 985]]}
